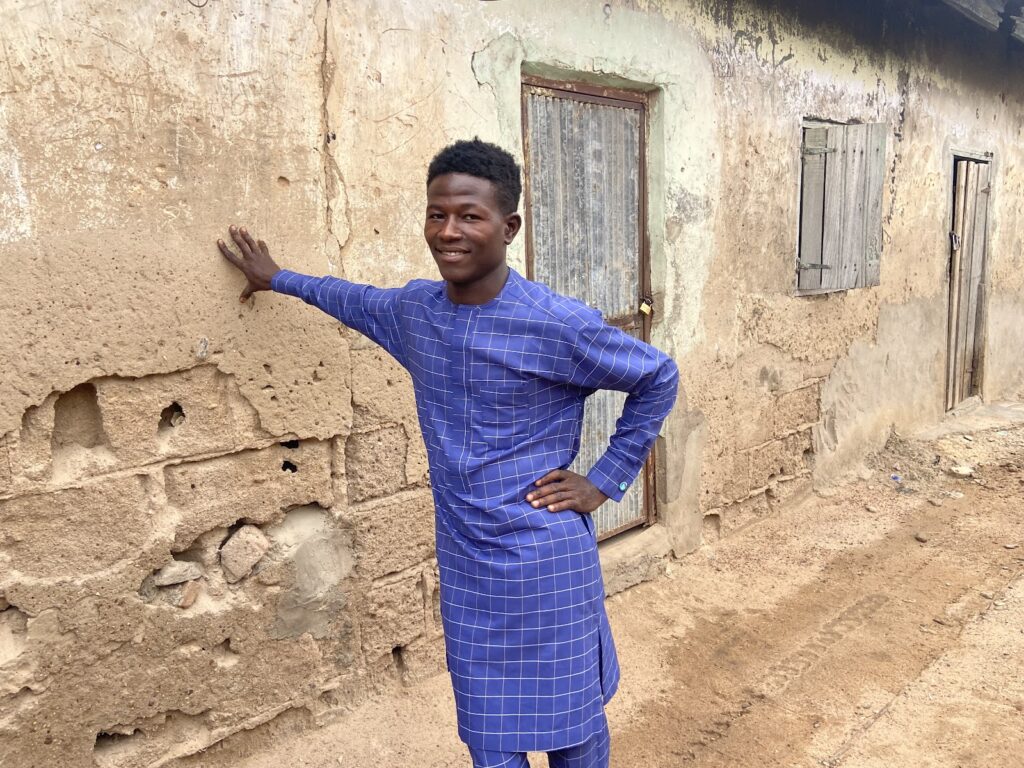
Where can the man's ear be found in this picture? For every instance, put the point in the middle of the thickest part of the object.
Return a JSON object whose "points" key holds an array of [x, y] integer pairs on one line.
{"points": [[513, 223]]}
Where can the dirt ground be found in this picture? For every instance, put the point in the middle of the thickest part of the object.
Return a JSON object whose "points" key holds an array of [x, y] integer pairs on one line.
{"points": [[878, 623]]}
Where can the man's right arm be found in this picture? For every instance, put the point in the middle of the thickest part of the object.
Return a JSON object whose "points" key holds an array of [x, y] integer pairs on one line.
{"points": [[374, 312], [371, 311]]}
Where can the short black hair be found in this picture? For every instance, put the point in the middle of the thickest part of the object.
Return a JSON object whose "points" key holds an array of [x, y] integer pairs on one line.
{"points": [[485, 161]]}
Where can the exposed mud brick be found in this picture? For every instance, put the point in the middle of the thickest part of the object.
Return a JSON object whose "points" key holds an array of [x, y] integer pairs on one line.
{"points": [[69, 534], [779, 458], [714, 478], [800, 451], [393, 617], [417, 470], [6, 478], [394, 534], [254, 486], [737, 484], [375, 462], [423, 658], [797, 409], [752, 423], [381, 390], [737, 516], [242, 551], [32, 453], [178, 414]]}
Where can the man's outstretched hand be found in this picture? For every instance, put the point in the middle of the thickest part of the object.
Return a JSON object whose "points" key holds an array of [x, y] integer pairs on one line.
{"points": [[561, 489], [255, 262]]}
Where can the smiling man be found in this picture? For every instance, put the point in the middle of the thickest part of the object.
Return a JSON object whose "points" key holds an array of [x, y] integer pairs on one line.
{"points": [[501, 368]]}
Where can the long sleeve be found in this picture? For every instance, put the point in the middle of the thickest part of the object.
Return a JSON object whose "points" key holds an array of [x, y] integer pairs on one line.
{"points": [[605, 357], [371, 311]]}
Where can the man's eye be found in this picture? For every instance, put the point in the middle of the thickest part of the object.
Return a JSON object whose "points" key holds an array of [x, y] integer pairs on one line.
{"points": [[471, 217]]}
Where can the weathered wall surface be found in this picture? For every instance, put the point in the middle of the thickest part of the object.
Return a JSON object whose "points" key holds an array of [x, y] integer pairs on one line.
{"points": [[216, 515]]}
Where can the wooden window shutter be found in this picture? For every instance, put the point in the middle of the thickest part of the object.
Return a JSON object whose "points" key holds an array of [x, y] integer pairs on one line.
{"points": [[844, 178]]}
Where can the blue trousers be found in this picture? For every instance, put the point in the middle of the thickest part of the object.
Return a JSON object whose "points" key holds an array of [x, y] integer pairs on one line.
{"points": [[593, 753]]}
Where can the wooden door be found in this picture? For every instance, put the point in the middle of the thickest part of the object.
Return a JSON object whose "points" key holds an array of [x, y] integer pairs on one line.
{"points": [[968, 243], [586, 217]]}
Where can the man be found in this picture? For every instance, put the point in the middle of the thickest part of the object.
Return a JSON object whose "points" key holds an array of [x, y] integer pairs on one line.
{"points": [[501, 367]]}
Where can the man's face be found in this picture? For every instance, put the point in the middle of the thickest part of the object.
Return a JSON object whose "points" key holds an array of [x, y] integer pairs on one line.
{"points": [[465, 227]]}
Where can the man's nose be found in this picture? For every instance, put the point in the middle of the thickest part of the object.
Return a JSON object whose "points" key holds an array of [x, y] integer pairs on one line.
{"points": [[450, 230]]}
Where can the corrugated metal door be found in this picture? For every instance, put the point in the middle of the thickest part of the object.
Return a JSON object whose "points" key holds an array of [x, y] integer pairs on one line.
{"points": [[586, 228]]}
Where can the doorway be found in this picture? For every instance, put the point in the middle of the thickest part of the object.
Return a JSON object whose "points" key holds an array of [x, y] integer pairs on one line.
{"points": [[586, 213], [967, 277]]}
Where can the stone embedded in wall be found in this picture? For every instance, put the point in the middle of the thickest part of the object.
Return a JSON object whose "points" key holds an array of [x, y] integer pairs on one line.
{"points": [[177, 572], [796, 410], [74, 533], [393, 534], [240, 553], [375, 462], [253, 486], [190, 412], [392, 617]]}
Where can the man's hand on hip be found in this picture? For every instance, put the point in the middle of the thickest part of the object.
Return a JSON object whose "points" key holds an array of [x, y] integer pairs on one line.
{"points": [[561, 490], [255, 262]]}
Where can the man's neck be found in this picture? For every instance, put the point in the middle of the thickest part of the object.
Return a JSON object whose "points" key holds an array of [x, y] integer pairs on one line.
{"points": [[479, 291]]}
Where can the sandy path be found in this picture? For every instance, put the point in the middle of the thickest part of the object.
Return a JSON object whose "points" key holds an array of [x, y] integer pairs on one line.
{"points": [[829, 635]]}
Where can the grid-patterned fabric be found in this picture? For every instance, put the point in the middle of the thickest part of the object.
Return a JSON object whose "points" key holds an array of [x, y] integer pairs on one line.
{"points": [[593, 753], [500, 389]]}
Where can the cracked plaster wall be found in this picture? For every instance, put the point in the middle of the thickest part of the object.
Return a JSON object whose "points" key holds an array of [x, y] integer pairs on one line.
{"points": [[157, 439]]}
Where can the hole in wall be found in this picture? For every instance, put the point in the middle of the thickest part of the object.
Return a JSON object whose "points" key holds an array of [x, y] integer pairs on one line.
{"points": [[398, 659], [283, 182], [711, 529], [114, 741], [170, 417], [77, 419], [288, 466], [292, 444]]}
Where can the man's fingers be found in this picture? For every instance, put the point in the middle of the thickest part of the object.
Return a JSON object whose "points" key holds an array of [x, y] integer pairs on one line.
{"points": [[228, 254], [243, 246], [552, 500], [551, 477], [250, 241], [562, 506], [542, 493], [246, 293], [263, 248]]}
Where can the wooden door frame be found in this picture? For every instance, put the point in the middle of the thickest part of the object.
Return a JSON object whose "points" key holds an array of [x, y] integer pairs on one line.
{"points": [[953, 155], [629, 99]]}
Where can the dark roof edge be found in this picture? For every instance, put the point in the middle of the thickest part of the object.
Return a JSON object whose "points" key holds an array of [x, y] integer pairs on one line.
{"points": [[993, 15]]}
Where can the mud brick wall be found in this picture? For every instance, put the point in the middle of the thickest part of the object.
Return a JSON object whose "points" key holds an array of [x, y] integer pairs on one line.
{"points": [[173, 572]]}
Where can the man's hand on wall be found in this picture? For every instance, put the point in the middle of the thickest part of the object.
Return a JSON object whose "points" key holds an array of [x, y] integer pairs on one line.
{"points": [[561, 489], [255, 262]]}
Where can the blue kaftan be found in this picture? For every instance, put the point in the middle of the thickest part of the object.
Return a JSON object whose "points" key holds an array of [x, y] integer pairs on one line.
{"points": [[500, 389]]}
